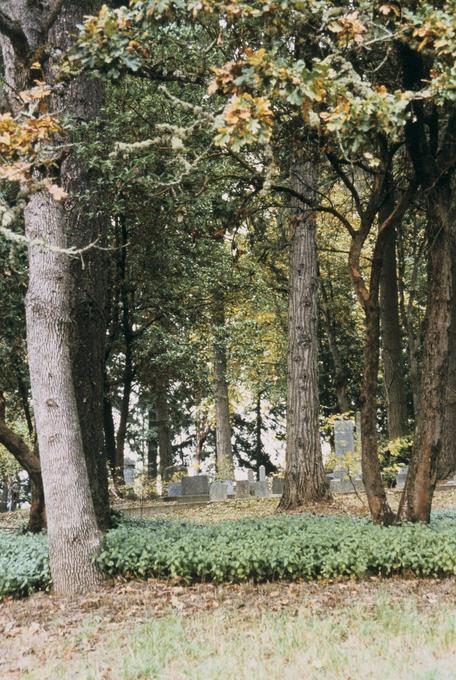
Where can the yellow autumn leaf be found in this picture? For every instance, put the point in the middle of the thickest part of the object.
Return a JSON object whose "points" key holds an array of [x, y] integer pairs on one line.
{"points": [[57, 193]]}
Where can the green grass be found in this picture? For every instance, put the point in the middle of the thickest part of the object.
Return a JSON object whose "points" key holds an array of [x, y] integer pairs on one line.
{"points": [[384, 640]]}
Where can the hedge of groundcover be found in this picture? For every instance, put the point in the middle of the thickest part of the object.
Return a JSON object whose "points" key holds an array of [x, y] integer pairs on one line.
{"points": [[286, 547]]}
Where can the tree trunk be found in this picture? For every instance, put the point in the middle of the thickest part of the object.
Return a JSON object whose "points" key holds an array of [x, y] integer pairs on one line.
{"points": [[37, 518], [31, 464], [393, 365], [340, 374], [369, 300], [72, 523], [152, 451], [446, 463], [88, 330], [305, 478], [372, 478], [223, 446], [128, 348], [429, 433], [73, 533], [165, 447]]}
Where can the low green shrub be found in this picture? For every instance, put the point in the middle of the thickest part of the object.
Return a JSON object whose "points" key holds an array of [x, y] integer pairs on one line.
{"points": [[24, 564], [300, 546], [286, 547]]}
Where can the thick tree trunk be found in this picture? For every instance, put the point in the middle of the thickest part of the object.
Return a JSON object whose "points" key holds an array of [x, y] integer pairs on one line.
{"points": [[66, 464], [88, 330], [393, 365], [429, 433], [224, 449], [305, 478], [446, 463], [38, 27], [73, 533]]}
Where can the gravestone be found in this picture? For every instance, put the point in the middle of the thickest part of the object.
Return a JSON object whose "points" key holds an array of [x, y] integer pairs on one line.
{"points": [[261, 489], [129, 472], [230, 487], [174, 490], [251, 476], [401, 476], [346, 485], [262, 473], [243, 488], [218, 491], [195, 486], [277, 486], [344, 442]]}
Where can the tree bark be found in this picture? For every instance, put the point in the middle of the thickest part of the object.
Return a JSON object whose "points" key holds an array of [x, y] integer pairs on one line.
{"points": [[393, 365], [340, 374], [73, 533], [446, 463], [128, 371], [165, 447], [65, 462], [152, 450], [429, 433], [305, 479], [223, 445], [224, 449], [31, 464], [368, 297]]}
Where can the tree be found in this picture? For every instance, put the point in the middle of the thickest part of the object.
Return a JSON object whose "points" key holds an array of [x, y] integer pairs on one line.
{"points": [[305, 478], [73, 531]]}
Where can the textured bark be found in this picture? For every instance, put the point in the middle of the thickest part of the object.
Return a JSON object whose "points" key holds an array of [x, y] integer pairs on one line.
{"points": [[41, 33], [368, 297], [72, 526], [428, 442], [224, 449], [393, 365], [305, 478], [446, 463]]}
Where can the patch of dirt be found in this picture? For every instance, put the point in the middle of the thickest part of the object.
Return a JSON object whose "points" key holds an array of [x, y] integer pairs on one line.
{"points": [[32, 630], [341, 504]]}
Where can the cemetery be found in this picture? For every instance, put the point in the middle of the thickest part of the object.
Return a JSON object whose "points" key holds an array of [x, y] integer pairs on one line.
{"points": [[227, 340]]}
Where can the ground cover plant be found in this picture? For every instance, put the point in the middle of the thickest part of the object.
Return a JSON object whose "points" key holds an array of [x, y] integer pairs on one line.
{"points": [[288, 548]]}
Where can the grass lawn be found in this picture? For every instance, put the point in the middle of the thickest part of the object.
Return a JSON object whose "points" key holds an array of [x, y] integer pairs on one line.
{"points": [[393, 629]]}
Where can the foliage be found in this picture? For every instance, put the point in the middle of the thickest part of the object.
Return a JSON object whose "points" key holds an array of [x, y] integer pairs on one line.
{"points": [[24, 564], [289, 548], [274, 548]]}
